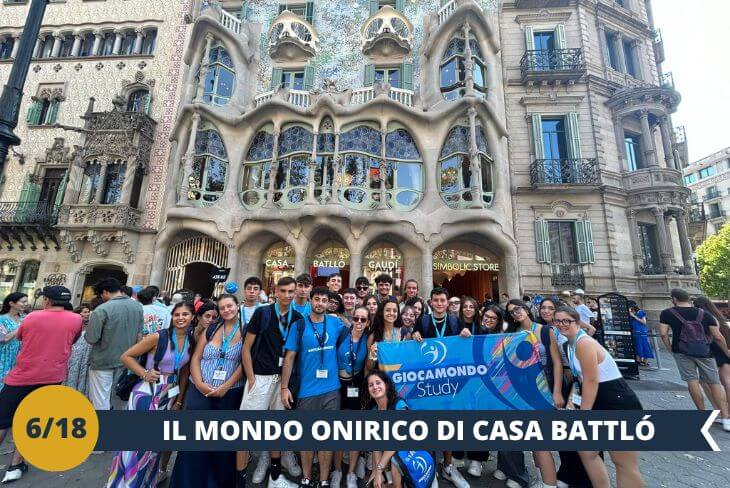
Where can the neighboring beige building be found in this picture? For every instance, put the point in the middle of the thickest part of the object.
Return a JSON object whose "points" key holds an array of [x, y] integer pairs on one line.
{"points": [[518, 146], [709, 181]]}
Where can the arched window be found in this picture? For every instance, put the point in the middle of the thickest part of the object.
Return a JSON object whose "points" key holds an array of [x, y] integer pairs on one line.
{"points": [[115, 172], [149, 42], [324, 174], [210, 166], [257, 167], [128, 39], [90, 182], [67, 45], [455, 172], [6, 47], [87, 45], [453, 68], [108, 47], [46, 47], [405, 170], [295, 149], [361, 150], [139, 101], [220, 77]]}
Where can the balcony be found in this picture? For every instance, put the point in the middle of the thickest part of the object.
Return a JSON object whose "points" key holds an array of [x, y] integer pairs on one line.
{"points": [[717, 214], [652, 177], [299, 98], [564, 172], [359, 96], [712, 194], [291, 38], [22, 223], [570, 275], [556, 66], [230, 22], [697, 213], [388, 33], [651, 269], [364, 95], [100, 217]]}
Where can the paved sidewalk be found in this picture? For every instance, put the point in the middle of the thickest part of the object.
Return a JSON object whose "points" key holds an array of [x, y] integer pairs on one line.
{"points": [[657, 389]]}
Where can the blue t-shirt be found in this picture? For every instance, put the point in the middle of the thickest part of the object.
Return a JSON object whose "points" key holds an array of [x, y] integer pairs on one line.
{"points": [[312, 357], [359, 352], [305, 309]]}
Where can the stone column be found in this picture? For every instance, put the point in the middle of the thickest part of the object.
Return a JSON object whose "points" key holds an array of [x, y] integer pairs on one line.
{"points": [[634, 236], [102, 179], [138, 40], [666, 261], [57, 42], [468, 62], [668, 238], [311, 170], [647, 139], [38, 46], [474, 163], [602, 42], [16, 45], [187, 160], [78, 38], [618, 48], [128, 182], [512, 275], [159, 262], [98, 43], [427, 272], [273, 171], [355, 266], [664, 126], [204, 66], [383, 204], [118, 36], [300, 261], [333, 198], [684, 243], [233, 264], [637, 53], [618, 126]]}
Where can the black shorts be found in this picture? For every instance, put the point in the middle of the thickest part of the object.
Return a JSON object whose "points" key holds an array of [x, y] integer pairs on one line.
{"points": [[351, 403], [616, 395], [10, 398]]}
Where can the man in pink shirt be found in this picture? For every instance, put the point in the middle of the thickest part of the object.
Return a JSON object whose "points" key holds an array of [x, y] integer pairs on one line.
{"points": [[46, 338]]}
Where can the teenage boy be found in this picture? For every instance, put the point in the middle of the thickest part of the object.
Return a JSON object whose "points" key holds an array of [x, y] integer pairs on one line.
{"points": [[334, 282], [319, 387], [47, 336], [383, 283], [439, 323], [362, 285], [349, 301], [301, 298], [262, 358], [251, 292]]}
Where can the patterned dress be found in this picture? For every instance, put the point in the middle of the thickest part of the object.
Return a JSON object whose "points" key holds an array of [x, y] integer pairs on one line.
{"points": [[138, 469], [78, 365], [8, 350]]}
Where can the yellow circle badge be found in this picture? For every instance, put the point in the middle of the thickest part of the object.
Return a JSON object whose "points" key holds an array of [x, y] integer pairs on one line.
{"points": [[55, 428]]}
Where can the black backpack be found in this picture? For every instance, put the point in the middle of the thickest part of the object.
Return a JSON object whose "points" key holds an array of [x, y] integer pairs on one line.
{"points": [[126, 383]]}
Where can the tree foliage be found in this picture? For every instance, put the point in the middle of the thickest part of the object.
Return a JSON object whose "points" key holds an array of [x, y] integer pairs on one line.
{"points": [[713, 259]]}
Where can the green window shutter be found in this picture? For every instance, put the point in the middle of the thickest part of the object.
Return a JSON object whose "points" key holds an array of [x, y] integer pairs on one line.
{"points": [[406, 76], [308, 78], [537, 136], [34, 112], [369, 74], [147, 103], [309, 12], [529, 38], [584, 242], [374, 7], [542, 241], [61, 189], [276, 74], [560, 42], [25, 189], [52, 113], [400, 5], [573, 133]]}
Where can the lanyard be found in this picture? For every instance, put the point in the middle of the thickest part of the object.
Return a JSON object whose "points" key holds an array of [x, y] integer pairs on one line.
{"points": [[439, 333], [355, 354], [283, 330], [179, 353], [394, 335], [571, 353], [243, 312], [225, 341], [321, 339]]}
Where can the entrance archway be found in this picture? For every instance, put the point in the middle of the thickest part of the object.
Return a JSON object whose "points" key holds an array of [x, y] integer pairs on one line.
{"points": [[190, 262], [329, 257], [466, 269], [384, 258], [278, 262], [97, 274]]}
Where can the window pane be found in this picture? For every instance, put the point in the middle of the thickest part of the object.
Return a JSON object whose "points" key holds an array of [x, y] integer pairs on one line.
{"points": [[553, 138], [299, 171], [216, 175], [113, 186], [89, 183], [450, 181], [252, 177], [448, 73], [354, 172], [409, 176]]}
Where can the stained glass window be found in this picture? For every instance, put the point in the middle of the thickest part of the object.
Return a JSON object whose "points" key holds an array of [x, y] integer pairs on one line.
{"points": [[90, 182], [210, 166], [113, 182], [453, 68], [455, 175], [220, 77]]}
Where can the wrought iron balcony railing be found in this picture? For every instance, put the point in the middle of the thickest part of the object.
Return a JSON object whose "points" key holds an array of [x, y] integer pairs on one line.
{"points": [[697, 213], [710, 194], [564, 172], [547, 60], [651, 269], [28, 213], [567, 274], [717, 214]]}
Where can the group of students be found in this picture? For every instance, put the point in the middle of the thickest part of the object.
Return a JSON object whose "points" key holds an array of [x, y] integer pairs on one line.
{"points": [[316, 348]]}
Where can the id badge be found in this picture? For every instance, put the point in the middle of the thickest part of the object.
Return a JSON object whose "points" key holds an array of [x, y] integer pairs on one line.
{"points": [[219, 375], [281, 361], [173, 392], [353, 392], [576, 399], [322, 374]]}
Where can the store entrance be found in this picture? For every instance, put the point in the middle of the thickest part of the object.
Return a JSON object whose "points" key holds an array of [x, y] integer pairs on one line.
{"points": [[329, 258], [467, 270], [197, 278]]}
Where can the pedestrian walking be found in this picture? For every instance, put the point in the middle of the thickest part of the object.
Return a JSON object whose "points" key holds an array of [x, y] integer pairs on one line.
{"points": [[11, 314]]}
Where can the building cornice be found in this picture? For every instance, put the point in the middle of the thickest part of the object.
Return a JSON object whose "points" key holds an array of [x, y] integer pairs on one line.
{"points": [[543, 16]]}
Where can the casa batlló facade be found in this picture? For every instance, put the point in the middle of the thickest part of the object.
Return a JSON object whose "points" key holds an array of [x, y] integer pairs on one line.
{"points": [[517, 146]]}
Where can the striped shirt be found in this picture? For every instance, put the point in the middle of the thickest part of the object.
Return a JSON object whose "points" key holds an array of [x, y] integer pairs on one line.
{"points": [[211, 358]]}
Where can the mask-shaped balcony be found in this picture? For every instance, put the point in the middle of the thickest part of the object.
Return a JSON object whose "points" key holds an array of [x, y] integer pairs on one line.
{"points": [[291, 38], [387, 33]]}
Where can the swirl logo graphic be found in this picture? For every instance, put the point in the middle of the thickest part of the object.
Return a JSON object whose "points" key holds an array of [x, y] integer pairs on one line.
{"points": [[436, 350], [420, 463]]}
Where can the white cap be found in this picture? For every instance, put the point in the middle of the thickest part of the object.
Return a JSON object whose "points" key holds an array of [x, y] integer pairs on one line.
{"points": [[579, 291], [176, 298]]}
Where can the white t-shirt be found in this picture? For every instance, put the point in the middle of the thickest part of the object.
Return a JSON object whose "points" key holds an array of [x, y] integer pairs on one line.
{"points": [[585, 313], [156, 317]]}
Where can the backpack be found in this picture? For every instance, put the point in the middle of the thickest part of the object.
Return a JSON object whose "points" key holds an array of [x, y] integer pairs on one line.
{"points": [[693, 341], [418, 468], [126, 383]]}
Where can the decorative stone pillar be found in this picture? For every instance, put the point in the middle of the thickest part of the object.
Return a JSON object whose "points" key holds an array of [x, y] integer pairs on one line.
{"points": [[118, 36], [16, 45], [666, 261], [187, 160], [638, 55], [474, 163], [427, 272], [233, 264], [668, 238], [273, 171], [300, 261], [204, 63], [57, 42], [664, 126], [604, 47], [618, 127], [647, 139], [335, 189], [634, 236], [78, 39], [159, 262], [98, 43], [102, 180], [684, 243], [311, 170], [139, 32], [468, 62], [383, 191], [512, 275], [38, 46], [618, 48], [128, 182], [355, 266]]}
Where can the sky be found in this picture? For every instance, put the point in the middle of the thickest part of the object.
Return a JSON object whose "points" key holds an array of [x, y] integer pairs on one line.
{"points": [[695, 39]]}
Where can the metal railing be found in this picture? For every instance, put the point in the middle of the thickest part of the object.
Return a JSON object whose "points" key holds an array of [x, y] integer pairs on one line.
{"points": [[697, 213], [28, 213], [667, 80], [446, 10], [550, 60], [567, 274], [651, 269], [564, 172], [716, 214], [712, 194]]}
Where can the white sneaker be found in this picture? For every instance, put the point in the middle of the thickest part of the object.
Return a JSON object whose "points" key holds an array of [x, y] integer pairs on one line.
{"points": [[13, 475], [499, 475], [562, 484], [351, 480], [475, 469], [335, 479], [726, 425], [450, 473], [540, 484], [360, 470], [290, 463], [512, 484], [281, 482], [260, 472]]}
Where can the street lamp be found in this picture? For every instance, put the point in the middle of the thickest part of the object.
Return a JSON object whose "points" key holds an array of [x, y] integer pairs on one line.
{"points": [[13, 90]]}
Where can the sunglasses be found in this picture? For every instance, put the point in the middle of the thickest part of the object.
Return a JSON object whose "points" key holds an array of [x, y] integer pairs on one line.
{"points": [[360, 319], [489, 317], [361, 287]]}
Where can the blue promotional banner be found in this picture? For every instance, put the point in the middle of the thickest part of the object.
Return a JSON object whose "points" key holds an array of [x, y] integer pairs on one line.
{"points": [[484, 372]]}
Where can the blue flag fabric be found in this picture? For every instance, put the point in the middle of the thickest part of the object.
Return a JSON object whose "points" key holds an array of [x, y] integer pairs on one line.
{"points": [[418, 468], [484, 372]]}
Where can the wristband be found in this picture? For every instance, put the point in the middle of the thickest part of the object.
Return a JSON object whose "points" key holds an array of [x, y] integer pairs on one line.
{"points": [[284, 388]]}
